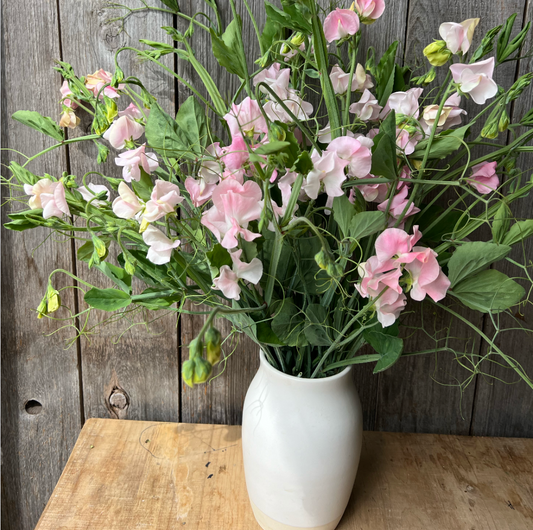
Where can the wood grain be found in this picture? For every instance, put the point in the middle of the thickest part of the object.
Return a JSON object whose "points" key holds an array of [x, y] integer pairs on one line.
{"points": [[165, 475], [36, 442], [140, 364]]}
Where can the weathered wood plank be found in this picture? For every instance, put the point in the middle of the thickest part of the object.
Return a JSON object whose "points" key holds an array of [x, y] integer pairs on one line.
{"points": [[38, 436], [139, 371]]}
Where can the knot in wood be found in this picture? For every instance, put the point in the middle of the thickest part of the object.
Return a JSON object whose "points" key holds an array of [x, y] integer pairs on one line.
{"points": [[118, 400]]}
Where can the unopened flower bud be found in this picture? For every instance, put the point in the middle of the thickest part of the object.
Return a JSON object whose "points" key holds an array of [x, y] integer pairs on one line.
{"points": [[298, 39], [213, 340], [196, 348], [202, 370], [42, 310], [503, 124], [427, 78], [99, 246], [322, 259], [129, 267], [490, 130], [187, 372], [437, 53]]}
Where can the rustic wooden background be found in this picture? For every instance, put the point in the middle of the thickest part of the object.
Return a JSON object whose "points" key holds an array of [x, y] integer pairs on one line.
{"points": [[48, 391]]}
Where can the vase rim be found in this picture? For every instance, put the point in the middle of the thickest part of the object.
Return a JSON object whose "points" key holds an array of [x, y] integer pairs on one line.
{"points": [[305, 380]]}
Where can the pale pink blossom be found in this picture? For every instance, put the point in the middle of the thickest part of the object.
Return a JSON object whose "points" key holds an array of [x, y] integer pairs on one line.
{"points": [[458, 37], [234, 206], [91, 191], [367, 108], [371, 192], [405, 103], [133, 160], [369, 10], [236, 155], [69, 119], [476, 79], [396, 243], [161, 246], [133, 112], [127, 205], [358, 155], [228, 280], [65, 92], [285, 186], [123, 130], [328, 171], [484, 177], [95, 82], [300, 108], [340, 23], [276, 79], [340, 79], [324, 135], [164, 198], [246, 118], [48, 195], [199, 190], [211, 168], [426, 275], [397, 206], [450, 115], [407, 141]]}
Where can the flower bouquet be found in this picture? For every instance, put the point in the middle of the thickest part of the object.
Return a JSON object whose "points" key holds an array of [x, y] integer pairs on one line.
{"points": [[342, 186]]}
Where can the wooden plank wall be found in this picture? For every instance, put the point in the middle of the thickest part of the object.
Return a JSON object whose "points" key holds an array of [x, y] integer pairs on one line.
{"points": [[48, 391]]}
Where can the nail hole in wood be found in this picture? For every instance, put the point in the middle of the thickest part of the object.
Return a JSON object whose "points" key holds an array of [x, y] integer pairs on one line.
{"points": [[33, 407]]}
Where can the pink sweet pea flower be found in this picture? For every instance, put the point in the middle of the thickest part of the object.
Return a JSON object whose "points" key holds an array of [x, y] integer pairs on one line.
{"points": [[356, 152], [163, 200], [132, 161], [458, 37], [161, 246], [91, 191], [127, 205], [340, 79], [367, 108], [65, 92], [69, 119], [450, 116], [398, 204], [133, 112], [405, 103], [246, 118], [328, 170], [476, 79], [96, 81], [300, 108], [122, 130], [285, 186], [426, 276], [484, 177], [199, 190], [236, 155], [211, 168], [276, 79], [407, 141], [396, 243], [371, 192], [340, 23], [324, 135], [369, 10], [228, 280], [48, 195], [234, 206]]}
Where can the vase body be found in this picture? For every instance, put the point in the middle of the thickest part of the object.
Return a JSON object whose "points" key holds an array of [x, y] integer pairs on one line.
{"points": [[301, 442]]}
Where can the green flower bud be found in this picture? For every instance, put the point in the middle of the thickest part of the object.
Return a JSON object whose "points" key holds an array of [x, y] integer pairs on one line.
{"points": [[99, 247], [437, 53], [202, 370], [42, 310], [213, 340], [427, 78], [334, 270], [129, 267], [187, 372], [322, 259], [298, 39], [196, 348], [503, 124], [118, 77], [490, 130]]}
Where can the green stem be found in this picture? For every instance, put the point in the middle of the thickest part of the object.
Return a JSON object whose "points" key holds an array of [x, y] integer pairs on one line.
{"points": [[256, 29], [346, 117]]}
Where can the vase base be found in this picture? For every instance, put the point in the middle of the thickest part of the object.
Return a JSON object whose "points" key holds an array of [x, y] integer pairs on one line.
{"points": [[267, 523]]}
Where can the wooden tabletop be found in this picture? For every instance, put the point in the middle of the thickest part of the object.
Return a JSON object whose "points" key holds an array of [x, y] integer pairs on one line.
{"points": [[126, 475]]}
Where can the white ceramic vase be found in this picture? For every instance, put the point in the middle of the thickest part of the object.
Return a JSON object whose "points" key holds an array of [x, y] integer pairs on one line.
{"points": [[301, 442]]}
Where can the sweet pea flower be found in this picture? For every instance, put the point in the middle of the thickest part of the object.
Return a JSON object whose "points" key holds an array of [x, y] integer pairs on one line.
{"points": [[276, 79], [328, 170], [340, 23], [133, 112], [236, 155], [126, 205], [450, 116], [367, 108], [340, 79], [407, 141], [133, 160], [234, 206], [285, 186], [369, 10], [426, 276], [161, 246], [397, 206], [96, 81], [484, 178], [476, 79], [300, 108], [122, 130], [163, 200], [65, 92], [246, 118], [91, 191], [355, 152], [48, 195], [371, 192], [211, 168], [394, 243], [69, 119], [228, 280], [199, 190], [405, 103], [458, 37]]}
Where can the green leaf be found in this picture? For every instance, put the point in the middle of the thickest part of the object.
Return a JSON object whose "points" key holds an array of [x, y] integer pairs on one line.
{"points": [[192, 121], [227, 49], [303, 164], [389, 346], [218, 257], [40, 123], [289, 324], [270, 33], [518, 232], [343, 212], [293, 16], [316, 328], [443, 145], [157, 302], [265, 335], [470, 258], [489, 291], [271, 147], [172, 4], [19, 225], [22, 175], [366, 224], [501, 223], [143, 188], [103, 152], [384, 149], [107, 299], [384, 73], [119, 276]]}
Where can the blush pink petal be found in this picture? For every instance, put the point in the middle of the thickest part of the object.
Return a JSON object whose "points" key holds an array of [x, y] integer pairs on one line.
{"points": [[127, 205], [161, 246], [228, 283], [340, 23], [121, 130], [358, 155]]}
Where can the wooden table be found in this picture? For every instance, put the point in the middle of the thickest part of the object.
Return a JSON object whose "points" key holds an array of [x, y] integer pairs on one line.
{"points": [[127, 475]]}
